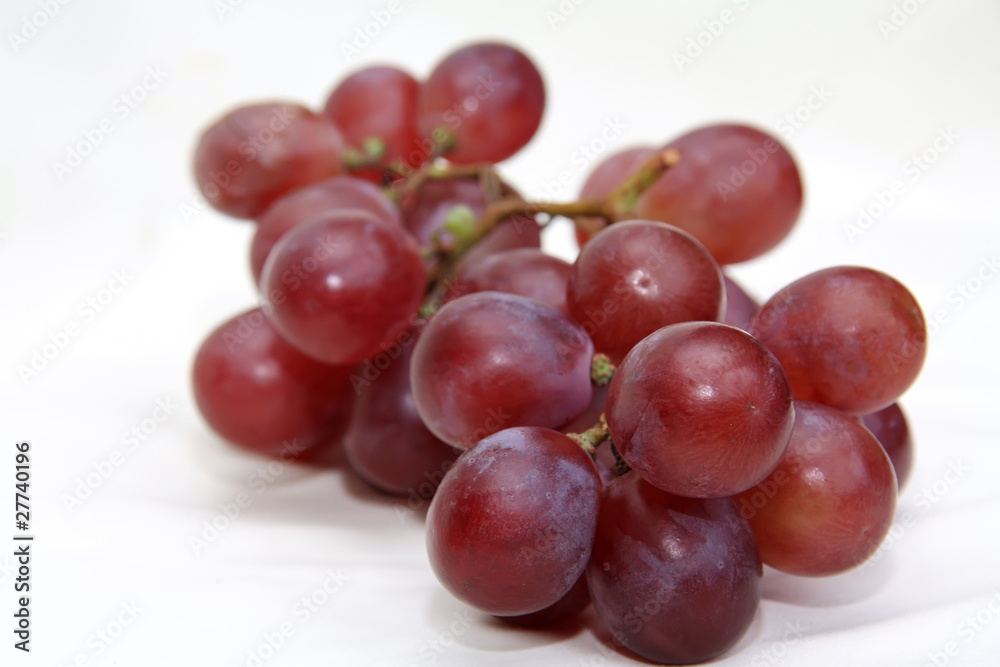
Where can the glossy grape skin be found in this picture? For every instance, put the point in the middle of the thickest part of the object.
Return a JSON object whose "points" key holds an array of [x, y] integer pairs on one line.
{"points": [[377, 102], [890, 428], [700, 409], [638, 276], [490, 361], [676, 580], [528, 272], [849, 337], [386, 443], [740, 306], [255, 154], [344, 284], [339, 192], [607, 176], [829, 502], [737, 217], [511, 526], [260, 393], [489, 96]]}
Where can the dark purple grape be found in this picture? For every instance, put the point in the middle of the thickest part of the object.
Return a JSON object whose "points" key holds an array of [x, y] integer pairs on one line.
{"points": [[343, 285], [736, 189], [569, 606], [638, 276], [676, 580], [829, 503], [259, 392], [489, 97], [740, 306], [849, 337], [312, 201], [490, 361], [511, 526], [889, 426], [386, 443], [700, 409], [255, 154]]}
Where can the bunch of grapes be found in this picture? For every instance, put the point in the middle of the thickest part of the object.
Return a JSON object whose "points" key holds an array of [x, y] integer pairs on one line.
{"points": [[630, 430]]}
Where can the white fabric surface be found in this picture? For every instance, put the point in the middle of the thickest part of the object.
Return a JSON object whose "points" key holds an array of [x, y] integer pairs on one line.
{"points": [[124, 554]]}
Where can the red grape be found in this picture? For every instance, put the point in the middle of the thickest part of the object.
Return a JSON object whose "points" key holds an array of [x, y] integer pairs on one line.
{"points": [[638, 276], [848, 337], [511, 526], [567, 607], [488, 96], [378, 102], [339, 192], [426, 210], [889, 426], [700, 410], [736, 189], [607, 176], [386, 443], [740, 306], [343, 285], [829, 503], [677, 580], [490, 361], [260, 393], [255, 154], [528, 272]]}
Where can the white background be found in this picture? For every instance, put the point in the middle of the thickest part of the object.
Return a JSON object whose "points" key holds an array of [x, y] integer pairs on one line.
{"points": [[888, 95]]}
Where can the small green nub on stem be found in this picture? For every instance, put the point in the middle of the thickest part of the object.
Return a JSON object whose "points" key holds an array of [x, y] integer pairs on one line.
{"points": [[590, 439], [601, 370]]}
